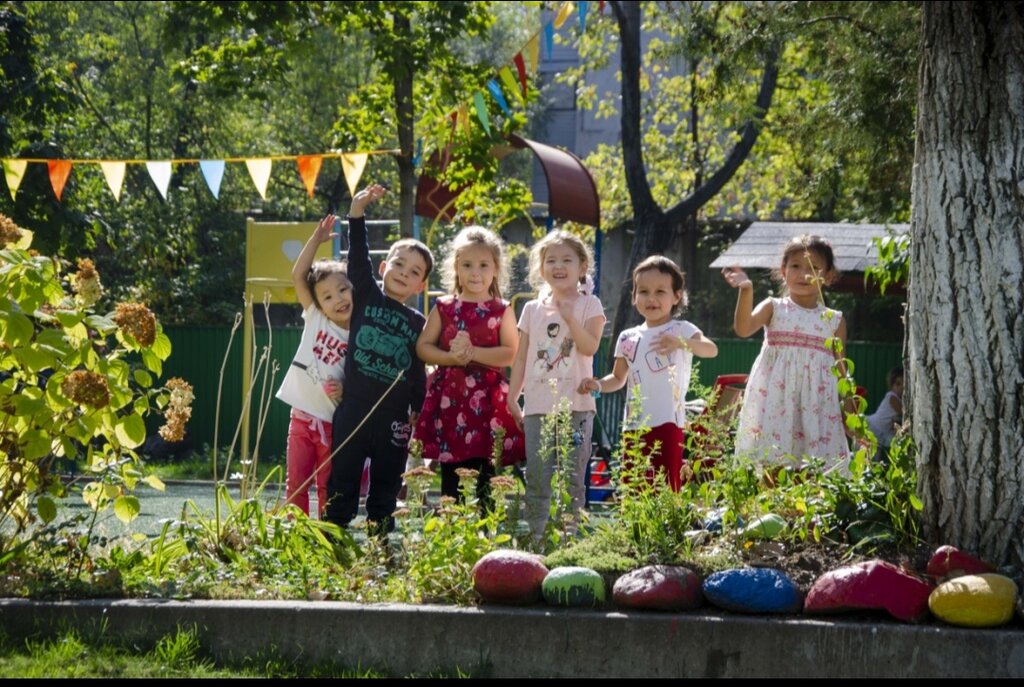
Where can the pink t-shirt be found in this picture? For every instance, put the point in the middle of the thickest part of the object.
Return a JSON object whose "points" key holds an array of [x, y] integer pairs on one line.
{"points": [[554, 367]]}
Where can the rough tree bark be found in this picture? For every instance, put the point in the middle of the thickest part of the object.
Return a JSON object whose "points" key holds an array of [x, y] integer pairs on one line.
{"points": [[965, 317], [653, 227]]}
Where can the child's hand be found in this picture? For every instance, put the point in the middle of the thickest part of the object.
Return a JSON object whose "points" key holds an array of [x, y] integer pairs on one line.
{"points": [[334, 390], [736, 277], [515, 411], [324, 231], [462, 348], [668, 342], [565, 309], [589, 385], [363, 198]]}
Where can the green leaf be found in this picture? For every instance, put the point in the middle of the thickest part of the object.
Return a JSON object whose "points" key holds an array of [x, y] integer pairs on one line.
{"points": [[161, 345], [47, 508], [143, 378], [15, 329], [152, 361], [101, 323], [34, 359], [154, 481], [916, 502], [130, 431], [92, 494], [126, 508], [69, 318]]}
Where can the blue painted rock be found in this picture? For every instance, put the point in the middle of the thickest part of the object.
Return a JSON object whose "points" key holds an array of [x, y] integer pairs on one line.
{"points": [[507, 576], [714, 519], [767, 526], [753, 590], [659, 588], [573, 586], [872, 585], [975, 600], [948, 562]]}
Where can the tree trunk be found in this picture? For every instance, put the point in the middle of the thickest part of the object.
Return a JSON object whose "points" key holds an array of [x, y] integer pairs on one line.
{"points": [[965, 333], [403, 74]]}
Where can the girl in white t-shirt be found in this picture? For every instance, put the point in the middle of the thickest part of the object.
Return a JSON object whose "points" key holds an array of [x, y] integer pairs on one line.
{"points": [[654, 360], [559, 333], [312, 385]]}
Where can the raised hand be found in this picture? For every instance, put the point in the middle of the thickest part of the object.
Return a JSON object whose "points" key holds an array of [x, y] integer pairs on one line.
{"points": [[364, 197], [325, 230], [736, 277]]}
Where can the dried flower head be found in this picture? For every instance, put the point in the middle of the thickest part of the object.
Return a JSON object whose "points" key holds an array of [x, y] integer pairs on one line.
{"points": [[86, 388], [86, 283], [179, 410], [447, 501], [503, 483], [9, 231], [402, 513], [137, 320], [466, 473]]}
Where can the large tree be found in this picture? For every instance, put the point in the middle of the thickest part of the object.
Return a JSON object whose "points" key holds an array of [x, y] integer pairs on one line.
{"points": [[966, 305]]}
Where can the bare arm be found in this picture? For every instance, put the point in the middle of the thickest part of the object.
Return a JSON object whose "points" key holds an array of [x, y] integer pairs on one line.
{"points": [[300, 270], [587, 336], [698, 344], [610, 382], [747, 319], [427, 347], [518, 378], [504, 353]]}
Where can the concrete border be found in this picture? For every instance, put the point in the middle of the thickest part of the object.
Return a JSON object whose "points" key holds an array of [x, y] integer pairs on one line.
{"points": [[491, 641]]}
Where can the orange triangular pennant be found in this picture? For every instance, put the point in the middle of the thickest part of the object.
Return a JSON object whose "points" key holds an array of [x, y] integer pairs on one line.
{"points": [[309, 168], [59, 171]]}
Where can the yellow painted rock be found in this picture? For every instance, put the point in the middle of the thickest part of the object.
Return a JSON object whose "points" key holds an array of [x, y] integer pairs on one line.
{"points": [[974, 600]]}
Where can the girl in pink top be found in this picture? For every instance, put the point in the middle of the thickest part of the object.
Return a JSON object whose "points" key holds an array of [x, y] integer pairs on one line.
{"points": [[559, 333]]}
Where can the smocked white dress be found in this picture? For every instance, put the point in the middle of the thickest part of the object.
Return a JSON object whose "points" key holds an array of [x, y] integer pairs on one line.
{"points": [[791, 404]]}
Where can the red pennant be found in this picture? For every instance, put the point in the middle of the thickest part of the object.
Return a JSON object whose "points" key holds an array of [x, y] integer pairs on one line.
{"points": [[521, 68], [600, 7], [309, 168], [59, 172]]}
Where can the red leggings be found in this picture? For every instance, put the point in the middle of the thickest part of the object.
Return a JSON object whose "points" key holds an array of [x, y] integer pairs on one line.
{"points": [[669, 457]]}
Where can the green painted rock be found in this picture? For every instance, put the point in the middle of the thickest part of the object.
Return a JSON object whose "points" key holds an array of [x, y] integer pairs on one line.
{"points": [[573, 586], [765, 527], [975, 600]]}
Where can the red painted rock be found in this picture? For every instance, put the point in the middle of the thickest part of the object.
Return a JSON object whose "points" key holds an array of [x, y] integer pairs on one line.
{"points": [[659, 588], [507, 576], [948, 562], [870, 585]]}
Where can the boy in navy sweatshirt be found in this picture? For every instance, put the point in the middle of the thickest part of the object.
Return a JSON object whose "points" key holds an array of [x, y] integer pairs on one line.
{"points": [[382, 347]]}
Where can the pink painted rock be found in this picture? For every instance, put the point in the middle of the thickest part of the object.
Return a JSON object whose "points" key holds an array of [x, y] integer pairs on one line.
{"points": [[508, 576], [948, 562], [870, 585], [659, 588]]}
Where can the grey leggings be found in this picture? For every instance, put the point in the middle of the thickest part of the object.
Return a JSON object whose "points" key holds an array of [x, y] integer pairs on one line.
{"points": [[540, 469]]}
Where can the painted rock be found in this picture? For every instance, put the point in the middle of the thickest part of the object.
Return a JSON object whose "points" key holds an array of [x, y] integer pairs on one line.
{"points": [[870, 585], [507, 576], [948, 562], [659, 588], [753, 590], [765, 527], [985, 600], [714, 519], [573, 586]]}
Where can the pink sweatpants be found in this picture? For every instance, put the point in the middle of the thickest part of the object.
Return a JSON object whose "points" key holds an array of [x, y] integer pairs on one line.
{"points": [[309, 446]]}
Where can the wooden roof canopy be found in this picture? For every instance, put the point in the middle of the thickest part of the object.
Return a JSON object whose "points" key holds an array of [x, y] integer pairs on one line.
{"points": [[571, 190], [760, 247]]}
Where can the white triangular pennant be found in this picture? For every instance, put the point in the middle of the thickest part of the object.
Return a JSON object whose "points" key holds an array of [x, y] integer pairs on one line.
{"points": [[160, 173], [259, 170], [213, 172], [114, 173], [352, 165]]}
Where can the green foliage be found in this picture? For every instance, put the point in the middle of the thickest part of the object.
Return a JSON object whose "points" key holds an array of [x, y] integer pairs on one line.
{"points": [[74, 386], [893, 268]]}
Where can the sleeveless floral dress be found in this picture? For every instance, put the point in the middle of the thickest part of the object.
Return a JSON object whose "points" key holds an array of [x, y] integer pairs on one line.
{"points": [[465, 406], [791, 404]]}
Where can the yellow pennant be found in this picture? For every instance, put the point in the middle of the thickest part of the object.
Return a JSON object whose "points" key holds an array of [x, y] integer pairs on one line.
{"points": [[507, 78], [353, 164], [259, 170], [464, 119], [114, 173], [563, 14], [533, 53], [14, 170]]}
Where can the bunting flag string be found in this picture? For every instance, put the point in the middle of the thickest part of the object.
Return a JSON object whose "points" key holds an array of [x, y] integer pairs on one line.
{"points": [[525, 61]]}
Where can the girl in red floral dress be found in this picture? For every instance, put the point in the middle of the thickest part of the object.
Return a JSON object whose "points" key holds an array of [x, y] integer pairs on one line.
{"points": [[471, 337]]}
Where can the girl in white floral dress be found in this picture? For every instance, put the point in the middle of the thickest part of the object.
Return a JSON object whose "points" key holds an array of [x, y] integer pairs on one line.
{"points": [[791, 409]]}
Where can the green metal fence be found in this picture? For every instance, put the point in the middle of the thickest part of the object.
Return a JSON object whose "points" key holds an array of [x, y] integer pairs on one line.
{"points": [[198, 353]]}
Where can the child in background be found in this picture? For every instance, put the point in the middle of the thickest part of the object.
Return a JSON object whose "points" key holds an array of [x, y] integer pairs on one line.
{"points": [[791, 405], [654, 360], [385, 382], [471, 336], [312, 385], [560, 331], [884, 421]]}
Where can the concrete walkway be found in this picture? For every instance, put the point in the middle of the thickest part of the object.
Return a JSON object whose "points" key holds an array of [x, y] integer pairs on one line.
{"points": [[542, 642]]}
